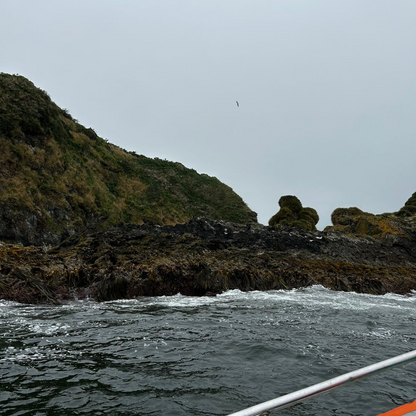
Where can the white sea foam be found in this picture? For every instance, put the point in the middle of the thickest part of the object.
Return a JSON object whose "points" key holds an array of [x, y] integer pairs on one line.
{"points": [[181, 301], [8, 303], [46, 328], [306, 297], [311, 297]]}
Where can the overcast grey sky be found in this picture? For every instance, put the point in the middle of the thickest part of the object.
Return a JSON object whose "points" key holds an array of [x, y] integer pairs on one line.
{"points": [[327, 89]]}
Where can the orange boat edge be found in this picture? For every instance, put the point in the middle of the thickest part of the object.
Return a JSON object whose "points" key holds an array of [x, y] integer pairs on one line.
{"points": [[407, 409]]}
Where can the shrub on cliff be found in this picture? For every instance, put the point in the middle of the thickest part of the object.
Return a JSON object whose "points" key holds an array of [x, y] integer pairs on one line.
{"points": [[292, 214]]}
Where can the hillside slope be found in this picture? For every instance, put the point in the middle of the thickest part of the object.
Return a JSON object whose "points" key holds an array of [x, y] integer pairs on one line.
{"points": [[58, 177]]}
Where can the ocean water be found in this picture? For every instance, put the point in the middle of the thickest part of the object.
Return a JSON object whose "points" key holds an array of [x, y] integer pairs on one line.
{"points": [[204, 355]]}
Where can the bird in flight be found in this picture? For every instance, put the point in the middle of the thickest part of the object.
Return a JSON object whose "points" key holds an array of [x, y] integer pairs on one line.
{"points": [[238, 105]]}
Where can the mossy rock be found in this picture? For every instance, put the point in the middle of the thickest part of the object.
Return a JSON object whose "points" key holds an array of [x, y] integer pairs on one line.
{"points": [[309, 214], [355, 221], [292, 214], [304, 225], [344, 216], [366, 225], [284, 214], [291, 202]]}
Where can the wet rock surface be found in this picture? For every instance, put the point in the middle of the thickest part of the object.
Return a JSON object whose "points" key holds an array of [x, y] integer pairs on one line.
{"points": [[204, 257]]}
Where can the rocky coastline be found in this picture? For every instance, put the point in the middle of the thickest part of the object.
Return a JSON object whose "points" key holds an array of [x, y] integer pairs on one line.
{"points": [[202, 258], [63, 185]]}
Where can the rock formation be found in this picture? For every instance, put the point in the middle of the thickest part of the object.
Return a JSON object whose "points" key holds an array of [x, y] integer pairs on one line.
{"points": [[380, 226], [292, 214], [204, 257]]}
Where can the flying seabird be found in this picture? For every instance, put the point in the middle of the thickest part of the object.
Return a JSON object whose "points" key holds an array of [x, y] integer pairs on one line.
{"points": [[238, 105]]}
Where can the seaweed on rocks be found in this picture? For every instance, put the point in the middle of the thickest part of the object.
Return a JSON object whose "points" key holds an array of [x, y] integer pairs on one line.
{"points": [[204, 257]]}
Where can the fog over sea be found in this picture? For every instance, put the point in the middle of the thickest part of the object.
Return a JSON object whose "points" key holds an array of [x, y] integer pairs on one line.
{"points": [[204, 355]]}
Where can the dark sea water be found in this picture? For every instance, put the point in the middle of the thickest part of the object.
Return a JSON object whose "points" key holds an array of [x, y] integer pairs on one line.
{"points": [[204, 356]]}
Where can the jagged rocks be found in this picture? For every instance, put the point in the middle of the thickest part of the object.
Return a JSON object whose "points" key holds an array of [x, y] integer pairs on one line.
{"points": [[203, 257]]}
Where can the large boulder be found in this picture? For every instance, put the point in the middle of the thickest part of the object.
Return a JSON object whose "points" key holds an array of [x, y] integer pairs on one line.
{"points": [[293, 214]]}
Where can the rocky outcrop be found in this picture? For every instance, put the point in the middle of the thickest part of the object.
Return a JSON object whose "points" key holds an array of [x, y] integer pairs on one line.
{"points": [[382, 226], [293, 214], [204, 257]]}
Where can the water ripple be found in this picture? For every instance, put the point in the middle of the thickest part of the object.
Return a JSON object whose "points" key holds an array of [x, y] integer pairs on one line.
{"points": [[203, 356]]}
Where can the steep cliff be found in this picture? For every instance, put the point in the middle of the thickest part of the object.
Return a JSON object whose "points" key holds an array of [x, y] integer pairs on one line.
{"points": [[58, 177]]}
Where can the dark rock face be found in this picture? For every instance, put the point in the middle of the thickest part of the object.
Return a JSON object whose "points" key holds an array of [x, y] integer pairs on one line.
{"points": [[204, 257], [26, 228]]}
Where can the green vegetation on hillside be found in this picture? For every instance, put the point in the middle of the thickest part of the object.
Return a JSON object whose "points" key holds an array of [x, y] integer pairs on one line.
{"points": [[57, 177]]}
